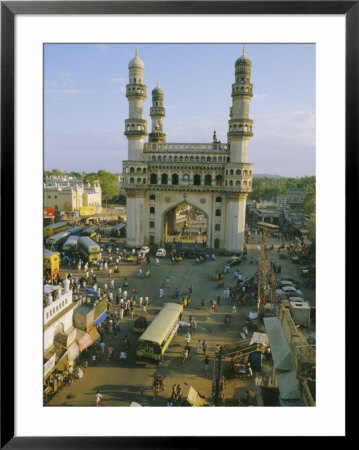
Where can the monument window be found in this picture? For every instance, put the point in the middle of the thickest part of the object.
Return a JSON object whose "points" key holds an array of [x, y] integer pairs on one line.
{"points": [[174, 178], [152, 197], [219, 180], [152, 224], [217, 227], [152, 210], [238, 172], [164, 178], [153, 178], [218, 199], [218, 212], [132, 180], [132, 169], [231, 172], [197, 179], [208, 180]]}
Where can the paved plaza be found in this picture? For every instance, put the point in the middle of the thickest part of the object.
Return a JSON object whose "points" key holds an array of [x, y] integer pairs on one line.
{"points": [[122, 383]]}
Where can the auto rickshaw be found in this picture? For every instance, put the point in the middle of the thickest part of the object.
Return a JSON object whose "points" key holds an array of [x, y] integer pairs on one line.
{"points": [[217, 276], [185, 300]]}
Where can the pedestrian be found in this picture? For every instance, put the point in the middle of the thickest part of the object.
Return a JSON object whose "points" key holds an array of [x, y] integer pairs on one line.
{"points": [[157, 261], [179, 393], [174, 390], [102, 348], [139, 272], [219, 300], [99, 399], [234, 310], [204, 346], [161, 292], [147, 300], [112, 284], [167, 281], [203, 304], [249, 368], [110, 352], [199, 344], [190, 289], [187, 338], [206, 364], [141, 300], [144, 309]]}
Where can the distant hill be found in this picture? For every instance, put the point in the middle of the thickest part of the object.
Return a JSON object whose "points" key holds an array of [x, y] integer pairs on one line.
{"points": [[266, 175]]}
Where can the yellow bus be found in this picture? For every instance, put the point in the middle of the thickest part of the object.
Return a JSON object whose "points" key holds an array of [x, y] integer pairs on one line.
{"points": [[157, 337], [51, 263], [88, 249], [90, 231], [267, 226], [55, 228]]}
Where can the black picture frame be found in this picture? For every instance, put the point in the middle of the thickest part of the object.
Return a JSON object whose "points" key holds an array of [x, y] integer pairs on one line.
{"points": [[9, 9]]}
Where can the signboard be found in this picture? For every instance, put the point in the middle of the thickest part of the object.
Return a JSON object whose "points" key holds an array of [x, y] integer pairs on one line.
{"points": [[87, 211], [49, 212], [69, 215]]}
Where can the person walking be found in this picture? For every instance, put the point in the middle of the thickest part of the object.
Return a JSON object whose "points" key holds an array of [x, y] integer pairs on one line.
{"points": [[157, 261], [99, 399], [190, 290], [204, 346], [187, 338], [167, 282], [203, 304], [102, 348], [206, 364], [174, 390], [161, 292], [199, 345]]}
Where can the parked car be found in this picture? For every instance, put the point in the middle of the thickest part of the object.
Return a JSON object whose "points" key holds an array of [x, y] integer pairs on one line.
{"points": [[144, 251], [161, 252], [234, 260]]}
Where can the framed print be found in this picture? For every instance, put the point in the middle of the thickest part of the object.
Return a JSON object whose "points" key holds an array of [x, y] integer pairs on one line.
{"points": [[74, 79]]}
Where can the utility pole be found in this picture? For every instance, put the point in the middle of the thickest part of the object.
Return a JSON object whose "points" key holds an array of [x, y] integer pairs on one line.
{"points": [[261, 277]]}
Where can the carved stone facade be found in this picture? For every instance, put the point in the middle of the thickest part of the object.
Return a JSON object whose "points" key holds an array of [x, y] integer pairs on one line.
{"points": [[213, 177]]}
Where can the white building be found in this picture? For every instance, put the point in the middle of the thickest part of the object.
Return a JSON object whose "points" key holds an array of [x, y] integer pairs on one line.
{"points": [[214, 177], [70, 194]]}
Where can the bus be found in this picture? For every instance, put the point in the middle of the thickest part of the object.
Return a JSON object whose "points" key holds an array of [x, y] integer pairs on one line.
{"points": [[55, 242], [54, 228], [88, 249], [267, 226], [70, 246], [76, 230], [117, 229], [51, 263], [90, 231], [157, 337]]}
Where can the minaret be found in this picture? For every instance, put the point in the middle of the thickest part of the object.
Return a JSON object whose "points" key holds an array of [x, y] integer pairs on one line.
{"points": [[157, 113], [135, 125], [240, 125]]}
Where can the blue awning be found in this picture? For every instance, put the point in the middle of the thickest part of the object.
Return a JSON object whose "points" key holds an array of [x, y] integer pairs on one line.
{"points": [[101, 318], [92, 292]]}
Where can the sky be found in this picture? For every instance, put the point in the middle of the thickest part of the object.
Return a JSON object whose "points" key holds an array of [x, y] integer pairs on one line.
{"points": [[85, 104]]}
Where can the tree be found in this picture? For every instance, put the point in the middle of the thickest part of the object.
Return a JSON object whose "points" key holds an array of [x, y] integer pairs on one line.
{"points": [[108, 183]]}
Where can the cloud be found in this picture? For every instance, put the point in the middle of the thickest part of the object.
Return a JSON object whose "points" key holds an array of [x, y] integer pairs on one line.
{"points": [[116, 80], [296, 126], [57, 93], [102, 48], [259, 97]]}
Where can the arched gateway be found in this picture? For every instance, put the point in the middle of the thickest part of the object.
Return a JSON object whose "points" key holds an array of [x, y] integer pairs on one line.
{"points": [[213, 177]]}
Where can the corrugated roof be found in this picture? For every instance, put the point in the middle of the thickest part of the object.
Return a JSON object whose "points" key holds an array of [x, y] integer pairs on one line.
{"points": [[283, 358]]}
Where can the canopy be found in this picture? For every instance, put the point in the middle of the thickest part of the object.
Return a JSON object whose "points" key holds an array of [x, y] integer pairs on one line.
{"points": [[94, 334], [84, 340], [92, 292], [101, 318]]}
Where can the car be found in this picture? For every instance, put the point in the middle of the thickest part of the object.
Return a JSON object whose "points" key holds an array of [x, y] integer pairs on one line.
{"points": [[127, 258], [140, 324], [234, 260], [161, 252], [144, 251]]}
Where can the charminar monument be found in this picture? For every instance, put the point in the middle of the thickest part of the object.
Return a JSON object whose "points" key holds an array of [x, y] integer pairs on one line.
{"points": [[214, 177]]}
